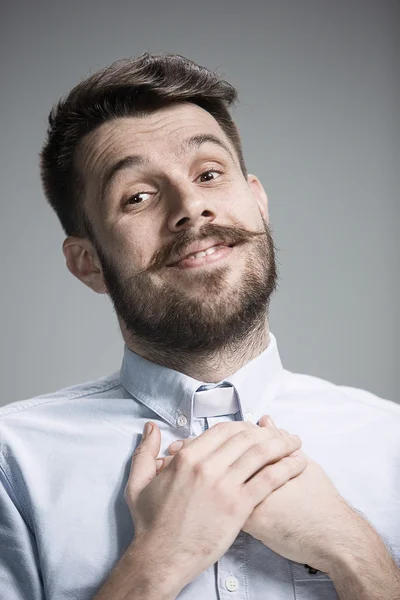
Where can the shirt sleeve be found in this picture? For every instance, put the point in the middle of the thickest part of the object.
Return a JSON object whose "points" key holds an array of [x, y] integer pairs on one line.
{"points": [[20, 577]]}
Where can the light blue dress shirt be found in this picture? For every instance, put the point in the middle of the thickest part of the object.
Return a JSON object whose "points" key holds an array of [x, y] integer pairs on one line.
{"points": [[65, 460]]}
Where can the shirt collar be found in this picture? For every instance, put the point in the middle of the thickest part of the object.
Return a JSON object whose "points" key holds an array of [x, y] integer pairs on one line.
{"points": [[171, 394]]}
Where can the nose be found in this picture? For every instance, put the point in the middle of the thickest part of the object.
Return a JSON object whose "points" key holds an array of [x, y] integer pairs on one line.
{"points": [[190, 208]]}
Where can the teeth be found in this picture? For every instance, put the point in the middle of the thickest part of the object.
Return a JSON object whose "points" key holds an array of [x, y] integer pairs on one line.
{"points": [[205, 253]]}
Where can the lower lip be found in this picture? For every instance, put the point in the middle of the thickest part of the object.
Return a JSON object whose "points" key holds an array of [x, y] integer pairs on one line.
{"points": [[194, 263]]}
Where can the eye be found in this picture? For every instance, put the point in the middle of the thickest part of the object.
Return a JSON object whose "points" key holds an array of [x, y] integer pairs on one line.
{"points": [[133, 199], [211, 171]]}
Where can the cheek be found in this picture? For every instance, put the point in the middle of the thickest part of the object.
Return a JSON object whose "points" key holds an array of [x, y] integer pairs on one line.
{"points": [[253, 215], [245, 211], [129, 248]]}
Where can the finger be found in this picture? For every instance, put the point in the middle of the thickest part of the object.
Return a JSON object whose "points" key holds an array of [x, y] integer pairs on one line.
{"points": [[252, 440], [292, 435], [272, 477], [143, 464], [163, 462], [267, 421], [264, 452], [173, 449], [202, 446]]}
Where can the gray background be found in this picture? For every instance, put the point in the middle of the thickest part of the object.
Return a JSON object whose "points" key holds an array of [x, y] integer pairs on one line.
{"points": [[319, 91]]}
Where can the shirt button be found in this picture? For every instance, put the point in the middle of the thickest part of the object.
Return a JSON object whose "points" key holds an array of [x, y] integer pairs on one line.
{"points": [[249, 417], [182, 420], [232, 584]]}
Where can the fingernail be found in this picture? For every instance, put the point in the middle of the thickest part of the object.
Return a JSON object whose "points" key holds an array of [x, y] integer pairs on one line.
{"points": [[159, 463], [270, 422], [148, 429], [175, 446], [296, 453]]}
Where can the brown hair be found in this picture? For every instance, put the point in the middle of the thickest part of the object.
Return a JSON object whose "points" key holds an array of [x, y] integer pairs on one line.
{"points": [[127, 87]]}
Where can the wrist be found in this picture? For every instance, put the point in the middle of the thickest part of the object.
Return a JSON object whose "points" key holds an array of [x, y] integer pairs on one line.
{"points": [[366, 579], [364, 569], [155, 575]]}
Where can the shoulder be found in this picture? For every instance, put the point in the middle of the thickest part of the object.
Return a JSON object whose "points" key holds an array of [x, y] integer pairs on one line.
{"points": [[94, 388], [325, 390]]}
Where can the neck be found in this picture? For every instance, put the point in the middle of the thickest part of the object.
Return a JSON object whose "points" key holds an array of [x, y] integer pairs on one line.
{"points": [[212, 368]]}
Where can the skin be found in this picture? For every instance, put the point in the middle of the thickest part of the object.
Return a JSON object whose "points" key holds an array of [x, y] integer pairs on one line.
{"points": [[206, 322]]}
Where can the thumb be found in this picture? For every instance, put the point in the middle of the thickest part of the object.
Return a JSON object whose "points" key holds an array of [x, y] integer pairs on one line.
{"points": [[143, 465]]}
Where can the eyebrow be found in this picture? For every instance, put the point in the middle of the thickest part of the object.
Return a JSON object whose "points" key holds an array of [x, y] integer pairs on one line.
{"points": [[134, 160]]}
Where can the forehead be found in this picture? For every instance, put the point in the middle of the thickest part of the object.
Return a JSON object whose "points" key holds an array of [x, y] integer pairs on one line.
{"points": [[157, 135]]}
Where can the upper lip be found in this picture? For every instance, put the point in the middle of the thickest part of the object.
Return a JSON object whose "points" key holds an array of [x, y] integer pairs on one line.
{"points": [[197, 247]]}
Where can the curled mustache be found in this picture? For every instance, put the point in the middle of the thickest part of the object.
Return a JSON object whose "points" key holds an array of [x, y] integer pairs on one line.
{"points": [[223, 235]]}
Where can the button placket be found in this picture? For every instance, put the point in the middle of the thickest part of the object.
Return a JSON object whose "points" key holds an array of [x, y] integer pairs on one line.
{"points": [[231, 571]]}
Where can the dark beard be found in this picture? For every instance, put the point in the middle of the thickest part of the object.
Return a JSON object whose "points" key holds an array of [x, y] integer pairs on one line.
{"points": [[165, 317]]}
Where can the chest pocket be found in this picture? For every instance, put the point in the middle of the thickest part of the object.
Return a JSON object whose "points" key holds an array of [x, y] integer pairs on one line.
{"points": [[311, 586]]}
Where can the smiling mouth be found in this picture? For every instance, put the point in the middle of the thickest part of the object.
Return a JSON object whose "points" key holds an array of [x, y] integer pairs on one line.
{"points": [[209, 256], [202, 253]]}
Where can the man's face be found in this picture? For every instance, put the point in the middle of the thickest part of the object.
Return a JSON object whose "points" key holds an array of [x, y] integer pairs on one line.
{"points": [[149, 198]]}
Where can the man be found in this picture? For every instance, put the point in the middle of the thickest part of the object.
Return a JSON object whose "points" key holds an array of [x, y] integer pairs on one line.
{"points": [[144, 167]]}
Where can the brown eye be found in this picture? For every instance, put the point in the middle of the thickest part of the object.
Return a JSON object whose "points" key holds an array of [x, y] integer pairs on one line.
{"points": [[135, 199], [210, 171]]}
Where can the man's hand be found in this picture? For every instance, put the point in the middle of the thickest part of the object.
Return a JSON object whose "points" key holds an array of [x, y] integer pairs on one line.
{"points": [[188, 516], [305, 519]]}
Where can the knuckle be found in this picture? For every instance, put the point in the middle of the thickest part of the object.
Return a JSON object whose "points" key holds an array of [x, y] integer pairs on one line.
{"points": [[245, 435], [182, 459], [275, 445], [289, 467], [287, 443], [301, 461], [202, 470], [220, 427], [292, 444], [271, 478], [278, 473], [258, 450], [268, 433]]}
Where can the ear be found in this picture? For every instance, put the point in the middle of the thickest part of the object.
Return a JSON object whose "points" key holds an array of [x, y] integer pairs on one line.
{"points": [[83, 262], [259, 194]]}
